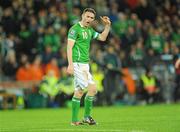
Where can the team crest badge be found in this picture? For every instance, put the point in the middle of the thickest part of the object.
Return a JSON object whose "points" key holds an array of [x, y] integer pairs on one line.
{"points": [[72, 32]]}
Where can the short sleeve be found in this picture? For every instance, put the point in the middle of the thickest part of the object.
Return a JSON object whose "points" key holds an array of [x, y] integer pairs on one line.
{"points": [[72, 34], [94, 34]]}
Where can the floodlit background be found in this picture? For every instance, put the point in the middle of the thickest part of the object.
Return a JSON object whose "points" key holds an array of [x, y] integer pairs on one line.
{"points": [[144, 41], [138, 85]]}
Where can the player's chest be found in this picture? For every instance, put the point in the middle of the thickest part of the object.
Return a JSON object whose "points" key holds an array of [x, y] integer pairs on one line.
{"points": [[85, 34]]}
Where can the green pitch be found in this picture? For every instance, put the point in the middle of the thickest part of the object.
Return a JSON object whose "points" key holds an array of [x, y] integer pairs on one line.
{"points": [[156, 118]]}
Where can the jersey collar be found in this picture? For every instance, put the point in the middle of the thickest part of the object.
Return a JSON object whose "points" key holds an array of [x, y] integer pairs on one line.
{"points": [[80, 24]]}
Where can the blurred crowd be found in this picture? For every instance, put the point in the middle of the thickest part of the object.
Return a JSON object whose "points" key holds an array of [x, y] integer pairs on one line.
{"points": [[144, 39]]}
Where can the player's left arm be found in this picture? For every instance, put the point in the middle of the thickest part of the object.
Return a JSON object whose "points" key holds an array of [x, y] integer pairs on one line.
{"points": [[107, 24]]}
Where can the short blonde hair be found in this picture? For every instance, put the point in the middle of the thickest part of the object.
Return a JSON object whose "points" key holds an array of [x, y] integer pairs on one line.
{"points": [[89, 10]]}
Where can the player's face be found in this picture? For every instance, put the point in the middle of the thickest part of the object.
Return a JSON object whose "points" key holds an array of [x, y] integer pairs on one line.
{"points": [[87, 18]]}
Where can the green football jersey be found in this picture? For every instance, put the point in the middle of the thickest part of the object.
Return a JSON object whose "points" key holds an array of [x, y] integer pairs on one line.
{"points": [[82, 37]]}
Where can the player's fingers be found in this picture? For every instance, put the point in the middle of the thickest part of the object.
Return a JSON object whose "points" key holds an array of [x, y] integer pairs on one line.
{"points": [[102, 19], [109, 21], [106, 17], [69, 73]]}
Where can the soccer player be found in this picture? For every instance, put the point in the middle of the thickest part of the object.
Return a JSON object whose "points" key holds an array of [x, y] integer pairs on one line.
{"points": [[79, 38]]}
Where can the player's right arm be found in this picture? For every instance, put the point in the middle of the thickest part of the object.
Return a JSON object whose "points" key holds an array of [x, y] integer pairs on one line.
{"points": [[107, 23], [72, 35], [70, 44]]}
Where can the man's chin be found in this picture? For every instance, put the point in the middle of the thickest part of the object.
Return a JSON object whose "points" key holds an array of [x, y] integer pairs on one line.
{"points": [[87, 24]]}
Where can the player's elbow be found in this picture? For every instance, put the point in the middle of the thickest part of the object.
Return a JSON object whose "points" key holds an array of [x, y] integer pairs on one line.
{"points": [[102, 38]]}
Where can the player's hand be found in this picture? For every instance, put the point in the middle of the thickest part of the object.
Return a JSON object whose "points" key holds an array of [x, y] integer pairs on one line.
{"points": [[105, 20], [70, 69]]}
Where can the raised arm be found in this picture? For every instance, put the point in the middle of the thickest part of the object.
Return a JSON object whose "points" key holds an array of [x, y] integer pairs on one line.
{"points": [[107, 24], [70, 44]]}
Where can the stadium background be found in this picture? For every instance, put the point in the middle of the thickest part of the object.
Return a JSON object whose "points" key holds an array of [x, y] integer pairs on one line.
{"points": [[33, 35]]}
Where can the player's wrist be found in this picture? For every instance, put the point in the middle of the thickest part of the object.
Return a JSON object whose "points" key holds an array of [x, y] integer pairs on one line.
{"points": [[107, 26]]}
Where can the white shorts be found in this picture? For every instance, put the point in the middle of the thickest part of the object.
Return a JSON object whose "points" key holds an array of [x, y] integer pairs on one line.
{"points": [[82, 76]]}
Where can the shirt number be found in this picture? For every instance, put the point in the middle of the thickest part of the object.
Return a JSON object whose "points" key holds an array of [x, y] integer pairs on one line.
{"points": [[84, 34]]}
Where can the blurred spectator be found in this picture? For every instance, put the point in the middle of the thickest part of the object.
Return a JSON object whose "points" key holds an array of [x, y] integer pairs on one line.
{"points": [[149, 87], [129, 94], [64, 19], [28, 40], [74, 16], [176, 37], [9, 23], [137, 54], [177, 78], [155, 41], [23, 59], [111, 80], [66, 85], [101, 7], [47, 54], [113, 11], [150, 59], [131, 35], [40, 40], [166, 56], [63, 33], [120, 26], [62, 58], [98, 76], [23, 72], [169, 8], [49, 88], [97, 56], [8, 44], [42, 18], [52, 39], [145, 10], [53, 66], [10, 65], [132, 3], [36, 69]]}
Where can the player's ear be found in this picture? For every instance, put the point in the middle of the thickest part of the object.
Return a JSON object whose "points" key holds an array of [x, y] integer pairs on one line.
{"points": [[82, 15], [94, 17]]}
